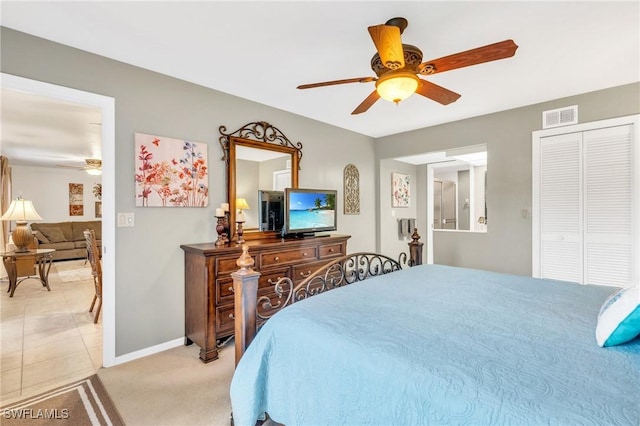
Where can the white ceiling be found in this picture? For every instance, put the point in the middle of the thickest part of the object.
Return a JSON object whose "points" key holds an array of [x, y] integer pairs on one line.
{"points": [[262, 50]]}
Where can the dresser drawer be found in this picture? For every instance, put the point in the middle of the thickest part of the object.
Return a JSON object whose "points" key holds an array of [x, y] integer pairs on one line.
{"points": [[224, 285], [225, 314], [227, 265], [331, 250], [224, 319], [288, 256], [300, 272]]}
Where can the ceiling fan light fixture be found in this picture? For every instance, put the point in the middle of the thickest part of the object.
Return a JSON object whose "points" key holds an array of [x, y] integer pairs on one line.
{"points": [[396, 86]]}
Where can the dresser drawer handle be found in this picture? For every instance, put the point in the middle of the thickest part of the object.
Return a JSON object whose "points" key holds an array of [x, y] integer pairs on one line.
{"points": [[331, 250], [272, 282], [232, 316], [304, 254], [231, 289], [302, 274], [276, 258]]}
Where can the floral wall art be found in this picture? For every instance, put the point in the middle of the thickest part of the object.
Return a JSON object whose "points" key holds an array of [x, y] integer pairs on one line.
{"points": [[170, 172], [400, 190]]}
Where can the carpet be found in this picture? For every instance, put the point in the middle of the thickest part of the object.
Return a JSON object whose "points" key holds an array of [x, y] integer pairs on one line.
{"points": [[85, 402]]}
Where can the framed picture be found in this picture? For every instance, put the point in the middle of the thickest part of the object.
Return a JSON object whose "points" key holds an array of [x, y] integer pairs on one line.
{"points": [[76, 203], [400, 190], [98, 209], [170, 172]]}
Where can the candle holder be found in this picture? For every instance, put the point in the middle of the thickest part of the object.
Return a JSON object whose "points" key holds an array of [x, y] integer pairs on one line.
{"points": [[222, 236], [240, 231], [225, 223]]}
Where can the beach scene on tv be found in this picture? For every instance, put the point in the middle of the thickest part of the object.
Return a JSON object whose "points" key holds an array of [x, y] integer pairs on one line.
{"points": [[311, 210]]}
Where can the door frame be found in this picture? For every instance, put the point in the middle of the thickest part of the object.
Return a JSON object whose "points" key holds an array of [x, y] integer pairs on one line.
{"points": [[107, 106]]}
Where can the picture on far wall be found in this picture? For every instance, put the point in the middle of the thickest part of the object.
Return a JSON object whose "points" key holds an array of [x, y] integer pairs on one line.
{"points": [[400, 190], [76, 206], [170, 172], [98, 209]]}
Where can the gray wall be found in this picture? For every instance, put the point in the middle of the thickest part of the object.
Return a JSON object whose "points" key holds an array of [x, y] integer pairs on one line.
{"points": [[391, 242], [149, 267], [149, 263], [506, 247]]}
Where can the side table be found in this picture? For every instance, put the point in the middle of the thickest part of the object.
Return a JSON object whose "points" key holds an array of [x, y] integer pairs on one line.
{"points": [[43, 261]]}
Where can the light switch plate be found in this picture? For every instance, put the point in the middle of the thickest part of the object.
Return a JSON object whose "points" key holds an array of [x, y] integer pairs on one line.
{"points": [[126, 220]]}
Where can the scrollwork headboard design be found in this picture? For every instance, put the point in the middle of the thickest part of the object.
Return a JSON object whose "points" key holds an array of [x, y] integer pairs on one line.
{"points": [[252, 311]]}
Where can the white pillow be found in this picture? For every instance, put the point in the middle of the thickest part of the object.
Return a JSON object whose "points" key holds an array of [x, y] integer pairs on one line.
{"points": [[619, 317]]}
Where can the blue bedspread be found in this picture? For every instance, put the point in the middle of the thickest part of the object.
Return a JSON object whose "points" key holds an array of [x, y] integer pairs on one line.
{"points": [[440, 345]]}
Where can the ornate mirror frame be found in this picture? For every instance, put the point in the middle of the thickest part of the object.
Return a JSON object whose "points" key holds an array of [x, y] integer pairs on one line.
{"points": [[260, 135]]}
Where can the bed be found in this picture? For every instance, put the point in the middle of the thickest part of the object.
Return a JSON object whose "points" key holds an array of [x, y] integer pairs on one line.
{"points": [[439, 345]]}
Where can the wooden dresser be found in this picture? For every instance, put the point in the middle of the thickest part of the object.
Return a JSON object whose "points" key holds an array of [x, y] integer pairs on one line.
{"points": [[209, 286]]}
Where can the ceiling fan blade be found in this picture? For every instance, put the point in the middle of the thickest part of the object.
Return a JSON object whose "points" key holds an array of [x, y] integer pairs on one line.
{"points": [[491, 52], [436, 93], [389, 45], [366, 104], [334, 82], [64, 166]]}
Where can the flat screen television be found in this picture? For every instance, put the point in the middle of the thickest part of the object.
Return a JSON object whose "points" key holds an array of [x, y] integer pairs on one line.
{"points": [[307, 211]]}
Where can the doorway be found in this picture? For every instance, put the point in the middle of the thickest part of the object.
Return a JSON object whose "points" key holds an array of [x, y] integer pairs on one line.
{"points": [[107, 108]]}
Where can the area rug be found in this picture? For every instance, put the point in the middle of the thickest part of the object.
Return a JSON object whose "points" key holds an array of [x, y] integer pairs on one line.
{"points": [[81, 403], [71, 275], [73, 270]]}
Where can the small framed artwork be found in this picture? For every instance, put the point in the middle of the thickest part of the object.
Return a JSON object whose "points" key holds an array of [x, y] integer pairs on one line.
{"points": [[170, 172], [400, 190], [76, 203], [98, 209]]}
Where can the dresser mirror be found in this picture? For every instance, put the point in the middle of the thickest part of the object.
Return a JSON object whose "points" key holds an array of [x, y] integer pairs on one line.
{"points": [[260, 160]]}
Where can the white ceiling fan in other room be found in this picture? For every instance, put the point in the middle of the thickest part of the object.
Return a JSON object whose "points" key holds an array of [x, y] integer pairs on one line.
{"points": [[93, 166]]}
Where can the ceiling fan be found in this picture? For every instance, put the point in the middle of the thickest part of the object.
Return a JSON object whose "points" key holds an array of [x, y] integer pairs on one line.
{"points": [[93, 166], [397, 66]]}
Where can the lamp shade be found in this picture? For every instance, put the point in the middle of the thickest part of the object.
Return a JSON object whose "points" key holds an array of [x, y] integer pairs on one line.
{"points": [[21, 210], [241, 204], [396, 86]]}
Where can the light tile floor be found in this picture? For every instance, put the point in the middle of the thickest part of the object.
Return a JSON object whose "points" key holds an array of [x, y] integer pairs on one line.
{"points": [[47, 338]]}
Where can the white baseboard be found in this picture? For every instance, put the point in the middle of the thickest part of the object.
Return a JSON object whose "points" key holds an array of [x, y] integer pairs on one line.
{"points": [[149, 351]]}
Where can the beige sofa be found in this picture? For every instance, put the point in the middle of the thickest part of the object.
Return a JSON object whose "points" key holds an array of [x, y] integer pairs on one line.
{"points": [[66, 238]]}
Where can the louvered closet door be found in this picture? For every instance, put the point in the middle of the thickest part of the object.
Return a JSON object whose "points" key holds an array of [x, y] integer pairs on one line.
{"points": [[561, 207], [608, 220]]}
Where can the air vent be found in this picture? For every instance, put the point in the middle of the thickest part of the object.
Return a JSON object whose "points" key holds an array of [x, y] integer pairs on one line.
{"points": [[560, 117]]}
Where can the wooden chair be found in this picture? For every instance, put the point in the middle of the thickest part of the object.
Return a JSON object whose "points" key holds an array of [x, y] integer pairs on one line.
{"points": [[96, 270]]}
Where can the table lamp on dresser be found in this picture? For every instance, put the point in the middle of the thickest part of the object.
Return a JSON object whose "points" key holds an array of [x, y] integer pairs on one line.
{"points": [[21, 211]]}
